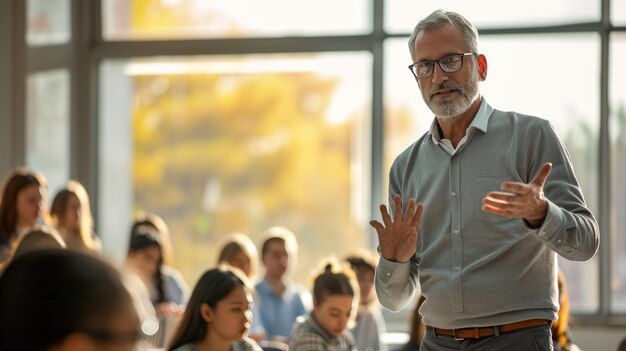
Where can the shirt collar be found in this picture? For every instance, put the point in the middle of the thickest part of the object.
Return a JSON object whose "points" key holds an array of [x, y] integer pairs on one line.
{"points": [[480, 121]]}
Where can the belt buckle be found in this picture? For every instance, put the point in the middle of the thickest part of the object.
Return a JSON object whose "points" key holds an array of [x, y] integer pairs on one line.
{"points": [[457, 338]]}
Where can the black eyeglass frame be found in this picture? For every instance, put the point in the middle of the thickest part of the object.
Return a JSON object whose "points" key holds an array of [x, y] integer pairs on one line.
{"points": [[462, 56]]}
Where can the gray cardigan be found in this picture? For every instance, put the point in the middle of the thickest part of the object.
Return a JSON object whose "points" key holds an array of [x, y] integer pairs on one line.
{"points": [[477, 269]]}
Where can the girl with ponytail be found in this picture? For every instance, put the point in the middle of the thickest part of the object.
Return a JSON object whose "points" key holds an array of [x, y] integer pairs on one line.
{"points": [[335, 302]]}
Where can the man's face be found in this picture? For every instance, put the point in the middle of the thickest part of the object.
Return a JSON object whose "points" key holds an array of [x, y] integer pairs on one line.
{"points": [[448, 95], [276, 259]]}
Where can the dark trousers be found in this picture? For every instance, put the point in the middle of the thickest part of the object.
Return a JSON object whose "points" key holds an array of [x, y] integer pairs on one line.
{"points": [[531, 339]]}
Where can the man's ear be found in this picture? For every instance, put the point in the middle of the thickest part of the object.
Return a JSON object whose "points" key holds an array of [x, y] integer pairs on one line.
{"points": [[481, 61], [206, 312]]}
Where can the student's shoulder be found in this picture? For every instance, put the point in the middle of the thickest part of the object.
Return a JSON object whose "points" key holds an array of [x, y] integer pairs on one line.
{"points": [[302, 296], [306, 340], [186, 347], [246, 344]]}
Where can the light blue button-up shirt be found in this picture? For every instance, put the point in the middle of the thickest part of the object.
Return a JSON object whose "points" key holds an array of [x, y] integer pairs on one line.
{"points": [[277, 314]]}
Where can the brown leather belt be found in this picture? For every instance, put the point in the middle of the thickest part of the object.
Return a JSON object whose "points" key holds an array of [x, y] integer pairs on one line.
{"points": [[476, 333]]}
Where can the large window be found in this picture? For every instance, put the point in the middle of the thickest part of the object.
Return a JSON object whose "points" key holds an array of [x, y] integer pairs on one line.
{"points": [[618, 170], [48, 22], [48, 127], [402, 15], [618, 12], [227, 144], [179, 19]]}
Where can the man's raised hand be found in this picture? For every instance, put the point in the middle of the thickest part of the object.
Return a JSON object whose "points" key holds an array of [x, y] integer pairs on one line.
{"points": [[397, 238]]}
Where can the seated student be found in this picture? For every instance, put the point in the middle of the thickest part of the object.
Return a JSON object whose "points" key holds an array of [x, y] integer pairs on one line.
{"points": [[70, 301], [280, 302], [561, 337], [217, 317], [22, 206], [370, 324], [38, 238], [239, 251], [335, 300], [417, 328], [71, 216], [159, 297], [147, 252]]}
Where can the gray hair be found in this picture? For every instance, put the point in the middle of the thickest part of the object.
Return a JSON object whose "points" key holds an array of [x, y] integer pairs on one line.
{"points": [[440, 18]]}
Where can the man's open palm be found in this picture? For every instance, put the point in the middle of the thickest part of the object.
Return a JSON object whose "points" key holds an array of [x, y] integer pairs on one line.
{"points": [[397, 238]]}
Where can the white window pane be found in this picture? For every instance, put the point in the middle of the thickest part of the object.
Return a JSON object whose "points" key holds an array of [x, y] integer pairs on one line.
{"points": [[618, 169], [176, 19], [401, 16], [556, 85], [48, 22], [47, 126], [238, 143], [618, 12]]}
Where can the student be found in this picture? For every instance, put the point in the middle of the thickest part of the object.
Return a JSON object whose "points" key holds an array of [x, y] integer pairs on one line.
{"points": [[561, 335], [335, 299], [148, 252], [70, 301], [38, 238], [21, 207], [417, 328], [279, 301], [370, 324], [239, 251], [71, 216], [217, 317]]}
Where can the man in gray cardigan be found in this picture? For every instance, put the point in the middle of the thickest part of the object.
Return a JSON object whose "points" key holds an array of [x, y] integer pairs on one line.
{"points": [[499, 200]]}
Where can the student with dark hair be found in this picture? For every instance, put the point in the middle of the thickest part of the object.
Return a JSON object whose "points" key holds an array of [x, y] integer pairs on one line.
{"points": [[70, 301], [335, 299], [148, 251], [217, 317], [279, 301], [21, 207], [71, 216], [370, 324]]}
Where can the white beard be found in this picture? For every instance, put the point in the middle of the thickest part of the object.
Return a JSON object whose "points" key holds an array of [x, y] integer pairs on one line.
{"points": [[453, 106]]}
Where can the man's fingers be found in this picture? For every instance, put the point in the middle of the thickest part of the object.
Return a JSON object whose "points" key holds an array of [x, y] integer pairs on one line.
{"points": [[417, 218], [518, 188], [543, 174], [385, 215], [397, 210], [498, 195], [497, 210], [410, 210], [378, 226], [495, 202]]}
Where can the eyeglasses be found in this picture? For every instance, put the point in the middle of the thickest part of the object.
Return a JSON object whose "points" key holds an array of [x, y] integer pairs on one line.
{"points": [[449, 64]]}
